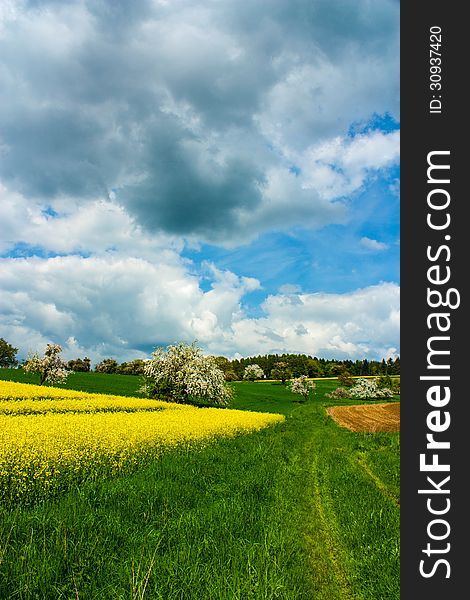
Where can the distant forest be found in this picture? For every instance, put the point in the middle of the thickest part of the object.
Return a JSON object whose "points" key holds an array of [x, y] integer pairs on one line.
{"points": [[274, 366], [302, 364]]}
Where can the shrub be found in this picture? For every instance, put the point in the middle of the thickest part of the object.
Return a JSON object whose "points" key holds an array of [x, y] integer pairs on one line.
{"points": [[253, 372], [364, 389], [183, 374], [368, 389], [339, 393], [50, 368]]}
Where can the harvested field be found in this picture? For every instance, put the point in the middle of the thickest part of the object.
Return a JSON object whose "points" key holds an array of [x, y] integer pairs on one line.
{"points": [[368, 417]]}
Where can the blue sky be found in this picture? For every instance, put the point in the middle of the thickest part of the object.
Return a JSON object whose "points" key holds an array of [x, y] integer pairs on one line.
{"points": [[222, 172], [335, 259]]}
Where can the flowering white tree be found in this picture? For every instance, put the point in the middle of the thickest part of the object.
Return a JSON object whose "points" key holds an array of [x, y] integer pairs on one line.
{"points": [[301, 385], [364, 389], [368, 389], [253, 372], [181, 373], [50, 368]]}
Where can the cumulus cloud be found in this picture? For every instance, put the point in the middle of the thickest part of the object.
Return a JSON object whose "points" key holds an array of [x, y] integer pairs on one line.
{"points": [[352, 325], [125, 307], [132, 132], [192, 114], [114, 304], [341, 165], [61, 226]]}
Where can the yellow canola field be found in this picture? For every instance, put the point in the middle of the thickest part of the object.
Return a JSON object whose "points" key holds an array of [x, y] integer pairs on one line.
{"points": [[11, 390], [24, 398], [99, 403], [41, 454]]}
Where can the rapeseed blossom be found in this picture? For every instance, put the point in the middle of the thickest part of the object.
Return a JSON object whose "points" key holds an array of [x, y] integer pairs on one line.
{"points": [[93, 403], [49, 444]]}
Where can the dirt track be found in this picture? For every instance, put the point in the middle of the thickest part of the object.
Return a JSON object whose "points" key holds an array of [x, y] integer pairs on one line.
{"points": [[368, 417]]}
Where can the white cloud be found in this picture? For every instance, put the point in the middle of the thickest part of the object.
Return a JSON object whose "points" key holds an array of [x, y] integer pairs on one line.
{"points": [[123, 307], [353, 325], [340, 166], [190, 117], [114, 305], [373, 245], [63, 226], [318, 100], [133, 131], [8, 12], [289, 288]]}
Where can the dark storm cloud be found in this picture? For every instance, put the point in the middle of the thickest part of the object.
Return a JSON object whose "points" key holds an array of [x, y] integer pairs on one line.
{"points": [[178, 199], [61, 153], [185, 109], [330, 27]]}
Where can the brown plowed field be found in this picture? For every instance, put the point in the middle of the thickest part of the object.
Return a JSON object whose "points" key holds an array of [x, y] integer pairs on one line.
{"points": [[368, 417]]}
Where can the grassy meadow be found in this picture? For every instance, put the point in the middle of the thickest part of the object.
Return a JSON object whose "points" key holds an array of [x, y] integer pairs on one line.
{"points": [[301, 509]]}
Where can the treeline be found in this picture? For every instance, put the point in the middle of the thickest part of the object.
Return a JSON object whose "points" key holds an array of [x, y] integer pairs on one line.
{"points": [[108, 365], [293, 364], [274, 366], [296, 365]]}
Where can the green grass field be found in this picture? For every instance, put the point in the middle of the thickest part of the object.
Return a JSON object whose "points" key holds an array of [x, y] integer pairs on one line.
{"points": [[100, 383], [303, 510]]}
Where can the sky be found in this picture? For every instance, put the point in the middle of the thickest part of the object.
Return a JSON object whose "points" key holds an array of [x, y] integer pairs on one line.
{"points": [[218, 171]]}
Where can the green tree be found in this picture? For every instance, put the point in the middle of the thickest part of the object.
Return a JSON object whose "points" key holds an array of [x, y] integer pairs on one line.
{"points": [[314, 368], [281, 371], [395, 367], [225, 365], [7, 354], [79, 364], [134, 367], [108, 365], [344, 377]]}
